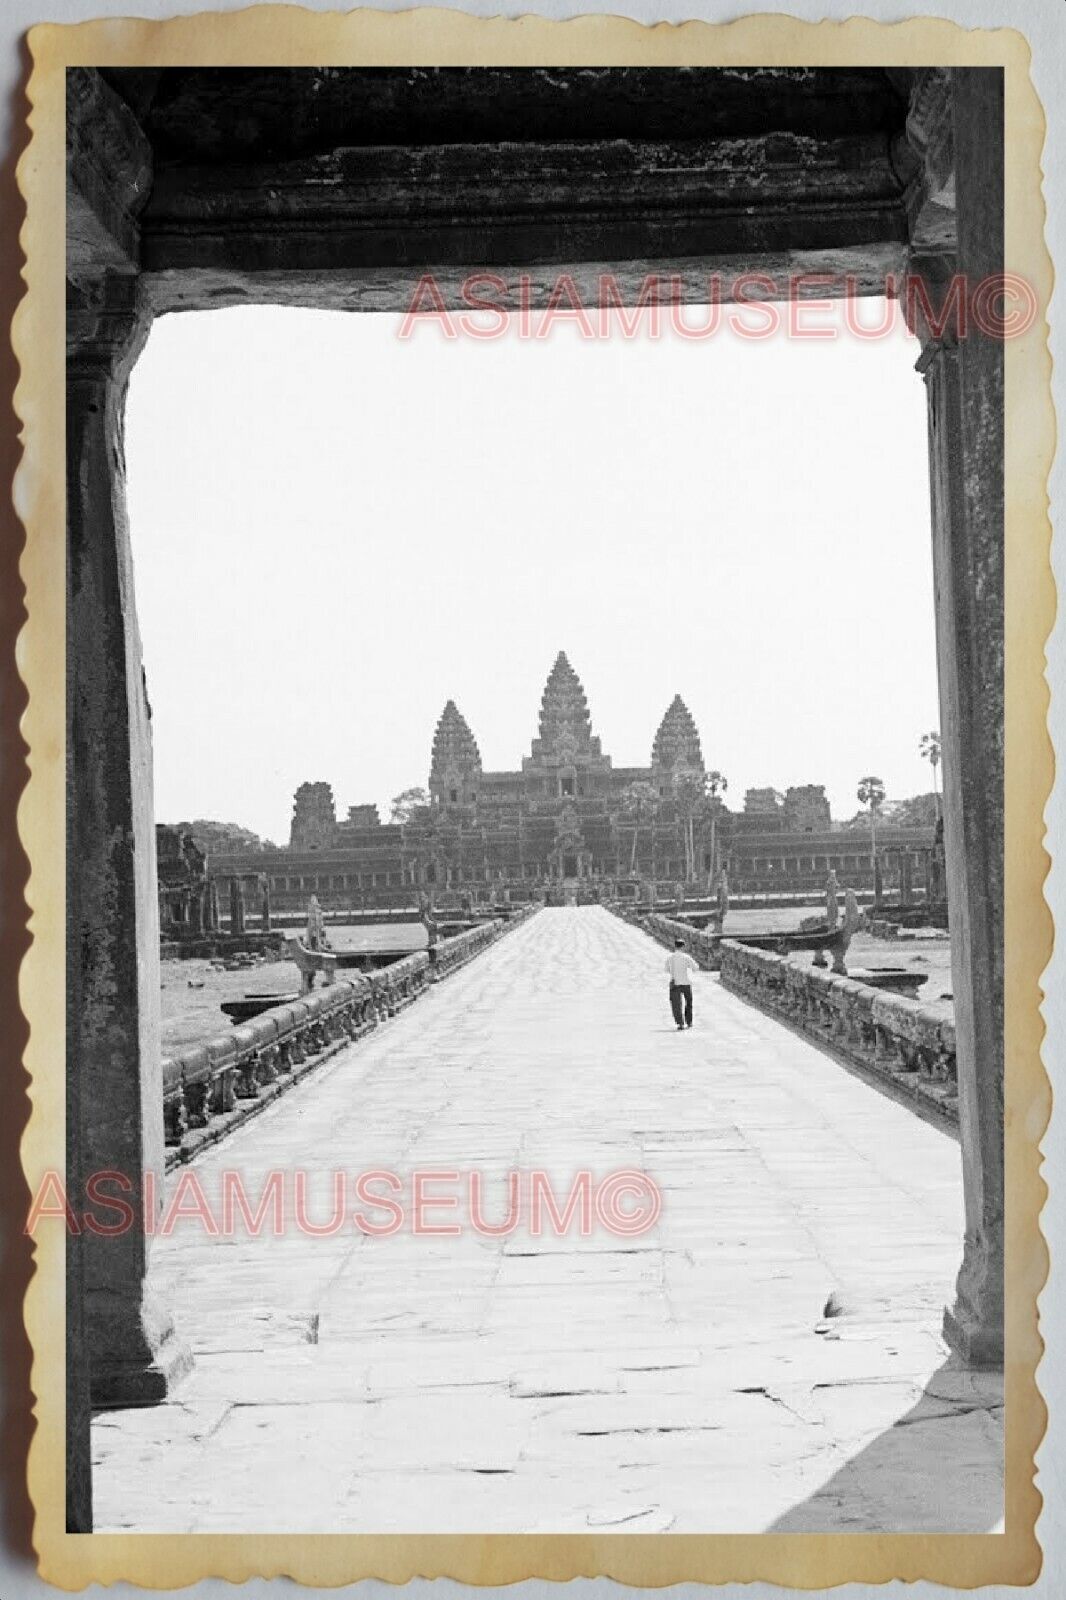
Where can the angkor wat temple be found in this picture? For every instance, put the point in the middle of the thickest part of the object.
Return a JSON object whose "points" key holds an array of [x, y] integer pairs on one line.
{"points": [[566, 816]]}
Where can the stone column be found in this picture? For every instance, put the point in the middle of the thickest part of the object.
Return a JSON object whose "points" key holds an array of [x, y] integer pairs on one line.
{"points": [[928, 876], [113, 951], [265, 905], [906, 878], [236, 905], [79, 1489], [195, 899], [964, 382]]}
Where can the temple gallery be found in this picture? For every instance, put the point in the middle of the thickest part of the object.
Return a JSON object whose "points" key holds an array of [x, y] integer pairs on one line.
{"points": [[566, 822]]}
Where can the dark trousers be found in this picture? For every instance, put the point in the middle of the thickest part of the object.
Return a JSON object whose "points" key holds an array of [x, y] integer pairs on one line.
{"points": [[681, 993]]}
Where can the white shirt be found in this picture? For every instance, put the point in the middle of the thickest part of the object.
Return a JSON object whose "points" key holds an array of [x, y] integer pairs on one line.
{"points": [[679, 965]]}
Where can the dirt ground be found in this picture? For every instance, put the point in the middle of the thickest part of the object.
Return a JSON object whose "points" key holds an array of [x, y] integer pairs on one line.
{"points": [[193, 991], [930, 955]]}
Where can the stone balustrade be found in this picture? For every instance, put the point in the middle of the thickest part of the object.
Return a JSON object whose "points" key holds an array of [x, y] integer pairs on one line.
{"points": [[210, 1087], [899, 1039], [448, 954], [701, 945]]}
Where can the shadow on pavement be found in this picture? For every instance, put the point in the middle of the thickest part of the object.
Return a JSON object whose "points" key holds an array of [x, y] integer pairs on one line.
{"points": [[938, 1468]]}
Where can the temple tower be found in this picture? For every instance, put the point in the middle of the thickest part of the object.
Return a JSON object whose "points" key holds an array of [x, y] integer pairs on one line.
{"points": [[455, 765], [566, 751], [676, 751], [806, 809], [314, 818]]}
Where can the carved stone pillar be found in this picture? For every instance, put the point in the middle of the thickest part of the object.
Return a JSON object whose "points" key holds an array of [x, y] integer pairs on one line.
{"points": [[964, 381], [113, 950]]}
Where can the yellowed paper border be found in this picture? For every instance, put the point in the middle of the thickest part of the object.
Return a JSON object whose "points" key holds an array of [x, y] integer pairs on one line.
{"points": [[288, 36]]}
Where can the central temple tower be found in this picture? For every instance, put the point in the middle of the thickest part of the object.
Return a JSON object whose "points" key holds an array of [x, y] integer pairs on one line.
{"points": [[566, 758]]}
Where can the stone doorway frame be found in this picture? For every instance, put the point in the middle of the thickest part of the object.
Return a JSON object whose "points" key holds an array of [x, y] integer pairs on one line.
{"points": [[108, 318]]}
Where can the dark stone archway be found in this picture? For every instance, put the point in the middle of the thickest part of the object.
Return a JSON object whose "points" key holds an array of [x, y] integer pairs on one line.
{"points": [[196, 188]]}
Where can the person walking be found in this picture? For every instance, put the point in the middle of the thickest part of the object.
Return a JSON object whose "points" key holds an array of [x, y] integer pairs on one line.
{"points": [[680, 966]]}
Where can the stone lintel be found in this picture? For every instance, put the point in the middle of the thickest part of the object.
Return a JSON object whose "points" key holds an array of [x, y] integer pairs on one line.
{"points": [[862, 269], [486, 205], [498, 179], [855, 233]]}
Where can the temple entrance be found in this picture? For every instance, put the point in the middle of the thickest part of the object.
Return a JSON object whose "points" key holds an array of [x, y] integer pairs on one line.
{"points": [[119, 1119]]}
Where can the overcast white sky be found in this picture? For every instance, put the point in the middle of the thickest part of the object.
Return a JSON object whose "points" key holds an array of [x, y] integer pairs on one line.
{"points": [[335, 530]]}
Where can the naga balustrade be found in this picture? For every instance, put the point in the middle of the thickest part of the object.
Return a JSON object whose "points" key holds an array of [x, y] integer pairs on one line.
{"points": [[701, 946], [209, 1087], [897, 1038], [448, 954], [204, 1084]]}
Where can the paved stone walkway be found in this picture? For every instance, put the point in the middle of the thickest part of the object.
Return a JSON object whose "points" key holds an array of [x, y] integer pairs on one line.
{"points": [[674, 1381]]}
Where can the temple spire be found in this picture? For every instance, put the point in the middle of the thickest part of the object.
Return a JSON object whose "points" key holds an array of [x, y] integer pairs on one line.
{"points": [[456, 760], [565, 730], [677, 743]]}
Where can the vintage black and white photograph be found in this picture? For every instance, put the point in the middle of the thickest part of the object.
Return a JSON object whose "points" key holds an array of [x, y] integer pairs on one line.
{"points": [[535, 799]]}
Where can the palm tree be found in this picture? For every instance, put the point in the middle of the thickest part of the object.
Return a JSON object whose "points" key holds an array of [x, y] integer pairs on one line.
{"points": [[639, 803], [871, 792], [688, 796], [714, 784], [929, 748]]}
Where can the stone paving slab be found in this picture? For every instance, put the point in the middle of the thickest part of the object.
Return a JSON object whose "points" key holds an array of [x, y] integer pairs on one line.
{"points": [[680, 1380]]}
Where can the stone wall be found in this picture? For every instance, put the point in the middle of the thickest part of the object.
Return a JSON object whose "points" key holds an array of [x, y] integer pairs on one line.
{"points": [[901, 1040]]}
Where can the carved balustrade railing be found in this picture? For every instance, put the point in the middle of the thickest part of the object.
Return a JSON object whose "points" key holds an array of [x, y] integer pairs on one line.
{"points": [[208, 1081], [448, 954], [210, 1086], [701, 946], [889, 1034]]}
